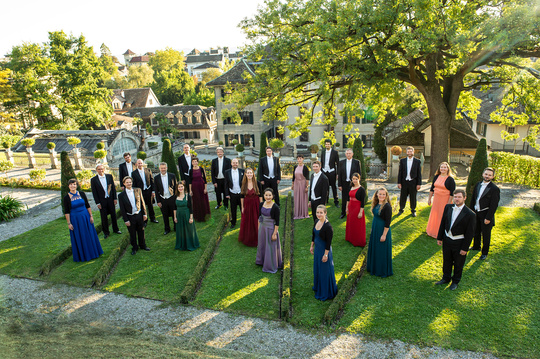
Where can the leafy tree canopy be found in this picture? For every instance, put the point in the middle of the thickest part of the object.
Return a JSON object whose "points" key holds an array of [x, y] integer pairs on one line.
{"points": [[140, 76], [361, 52]]}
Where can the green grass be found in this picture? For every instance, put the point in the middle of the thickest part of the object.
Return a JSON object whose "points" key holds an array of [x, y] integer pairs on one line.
{"points": [[234, 283], [24, 254], [163, 272], [308, 311], [495, 309]]}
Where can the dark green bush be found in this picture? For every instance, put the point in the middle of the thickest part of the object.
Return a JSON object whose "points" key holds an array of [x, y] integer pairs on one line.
{"points": [[168, 157], [262, 146], [66, 173], [480, 162], [358, 154], [100, 145], [518, 169], [141, 155]]}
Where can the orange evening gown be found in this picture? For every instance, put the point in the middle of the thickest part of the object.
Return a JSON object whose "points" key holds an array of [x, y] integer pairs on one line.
{"points": [[441, 195]]}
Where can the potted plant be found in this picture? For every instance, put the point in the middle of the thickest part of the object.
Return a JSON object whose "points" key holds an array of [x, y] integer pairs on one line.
{"points": [[396, 151], [191, 143], [234, 142], [205, 141], [9, 141], [74, 141], [276, 144], [338, 145], [28, 143], [141, 155], [51, 146], [100, 145], [240, 149], [54, 161], [220, 143], [314, 148], [99, 155]]}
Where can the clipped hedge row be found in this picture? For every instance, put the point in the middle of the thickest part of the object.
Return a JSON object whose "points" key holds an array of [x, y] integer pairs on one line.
{"points": [[346, 289], [111, 261], [198, 273], [518, 169], [536, 207], [286, 280]]}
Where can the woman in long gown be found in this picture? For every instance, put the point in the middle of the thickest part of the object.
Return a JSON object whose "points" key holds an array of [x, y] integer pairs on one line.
{"points": [[269, 246], [355, 231], [379, 258], [324, 279], [186, 233], [442, 192], [84, 239], [250, 201], [198, 192], [300, 185]]}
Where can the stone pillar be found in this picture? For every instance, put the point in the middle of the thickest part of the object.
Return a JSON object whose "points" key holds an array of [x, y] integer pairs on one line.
{"points": [[55, 164], [31, 158], [9, 156], [78, 159], [394, 168]]}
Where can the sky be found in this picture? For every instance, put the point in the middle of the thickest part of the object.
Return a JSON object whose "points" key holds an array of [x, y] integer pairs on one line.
{"points": [[140, 26]]}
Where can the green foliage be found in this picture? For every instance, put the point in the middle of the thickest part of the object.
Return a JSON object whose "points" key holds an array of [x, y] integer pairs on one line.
{"points": [[84, 176], [191, 143], [28, 142], [111, 261], [220, 143], [99, 154], [276, 143], [10, 208], [263, 145], [379, 143], [536, 207], [140, 76], [152, 144], [141, 155], [37, 174], [314, 148], [287, 243], [358, 154], [204, 97], [150, 165], [8, 141], [168, 157], [51, 145], [66, 173], [239, 147], [518, 169], [100, 145], [205, 141], [480, 162], [5, 166], [164, 125], [171, 83], [74, 141], [149, 129]]}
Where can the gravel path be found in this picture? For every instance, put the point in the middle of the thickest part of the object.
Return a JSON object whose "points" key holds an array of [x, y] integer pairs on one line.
{"points": [[216, 329]]}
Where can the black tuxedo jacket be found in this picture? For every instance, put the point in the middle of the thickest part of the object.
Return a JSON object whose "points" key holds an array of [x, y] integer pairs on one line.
{"points": [[97, 189], [214, 169], [123, 171], [321, 187], [342, 172], [464, 224], [158, 185], [490, 199], [138, 182], [229, 181], [125, 204], [184, 168], [416, 173], [334, 159], [262, 171]]}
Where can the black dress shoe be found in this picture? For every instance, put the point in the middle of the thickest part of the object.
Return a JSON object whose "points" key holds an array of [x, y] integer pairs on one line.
{"points": [[474, 249], [146, 249], [166, 232], [442, 281], [232, 225], [483, 256], [118, 232], [453, 286], [226, 208], [133, 252], [218, 206], [105, 236], [154, 221], [342, 216], [400, 212], [337, 204], [413, 214]]}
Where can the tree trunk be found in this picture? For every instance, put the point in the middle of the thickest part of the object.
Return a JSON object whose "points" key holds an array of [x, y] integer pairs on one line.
{"points": [[441, 121]]}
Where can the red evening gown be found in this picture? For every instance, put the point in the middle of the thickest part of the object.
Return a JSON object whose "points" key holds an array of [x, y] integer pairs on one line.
{"points": [[355, 232], [201, 205], [249, 225]]}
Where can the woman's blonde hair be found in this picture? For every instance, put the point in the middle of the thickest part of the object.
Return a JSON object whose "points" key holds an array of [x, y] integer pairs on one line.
{"points": [[375, 199], [438, 172]]}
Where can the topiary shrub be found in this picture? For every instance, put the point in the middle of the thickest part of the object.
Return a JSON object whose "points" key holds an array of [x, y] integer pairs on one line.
{"points": [[100, 145], [263, 145], [536, 207], [480, 162], [220, 143], [66, 173], [152, 144], [51, 145], [314, 148], [141, 155], [168, 157], [239, 147], [99, 154], [5, 166], [28, 142], [191, 143], [234, 142], [37, 174], [74, 141], [358, 154], [276, 143]]}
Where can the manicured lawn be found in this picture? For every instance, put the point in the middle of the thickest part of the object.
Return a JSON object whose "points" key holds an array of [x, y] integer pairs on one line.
{"points": [[234, 283], [495, 309], [163, 272], [308, 311], [23, 255]]}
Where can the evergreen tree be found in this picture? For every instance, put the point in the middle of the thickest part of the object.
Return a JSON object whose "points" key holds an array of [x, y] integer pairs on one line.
{"points": [[167, 156], [358, 154], [480, 162], [66, 173], [264, 144]]}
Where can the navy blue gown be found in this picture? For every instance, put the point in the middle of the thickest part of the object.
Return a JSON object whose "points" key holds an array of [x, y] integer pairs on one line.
{"points": [[324, 279], [84, 240], [379, 257]]}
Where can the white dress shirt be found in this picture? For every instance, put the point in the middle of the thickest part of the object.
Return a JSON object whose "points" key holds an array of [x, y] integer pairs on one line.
{"points": [[188, 160], [220, 168], [483, 187], [103, 181], [129, 166], [165, 181], [131, 197], [348, 165], [141, 173], [327, 161], [270, 161], [235, 175], [409, 166], [455, 213], [313, 185]]}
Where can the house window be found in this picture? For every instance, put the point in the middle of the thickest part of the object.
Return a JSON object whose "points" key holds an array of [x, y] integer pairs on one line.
{"points": [[304, 137], [481, 128], [124, 145], [511, 129], [154, 121], [247, 117], [116, 106], [228, 121], [368, 141]]}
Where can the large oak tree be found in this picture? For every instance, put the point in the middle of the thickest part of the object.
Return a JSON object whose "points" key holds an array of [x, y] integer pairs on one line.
{"points": [[361, 52]]}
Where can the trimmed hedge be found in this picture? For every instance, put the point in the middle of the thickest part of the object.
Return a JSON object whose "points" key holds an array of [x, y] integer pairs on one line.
{"points": [[346, 289], [286, 280], [108, 265], [536, 207], [198, 273], [518, 169], [480, 162]]}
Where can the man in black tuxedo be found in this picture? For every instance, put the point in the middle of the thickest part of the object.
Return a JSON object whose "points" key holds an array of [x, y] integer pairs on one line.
{"points": [[184, 164], [165, 185], [269, 173], [329, 163], [484, 201], [409, 180], [142, 178], [455, 235], [233, 184], [104, 192], [217, 170], [134, 213], [318, 188], [125, 169], [347, 168]]}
